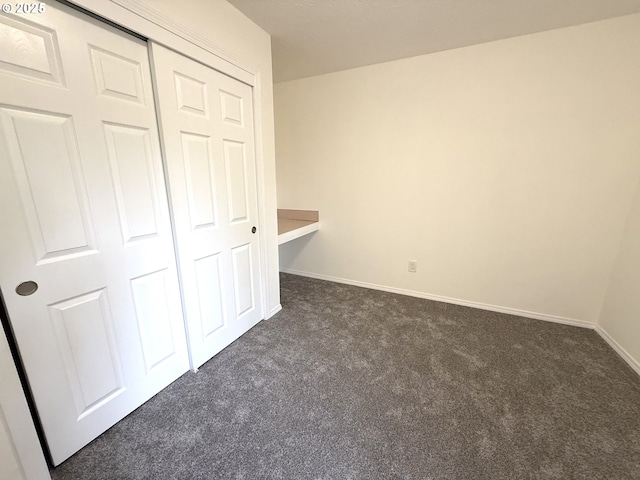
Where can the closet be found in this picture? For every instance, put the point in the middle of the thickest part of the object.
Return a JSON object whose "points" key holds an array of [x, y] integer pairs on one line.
{"points": [[129, 247]]}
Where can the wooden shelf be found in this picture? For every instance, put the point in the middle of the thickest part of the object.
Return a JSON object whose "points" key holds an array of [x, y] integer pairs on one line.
{"points": [[294, 224]]}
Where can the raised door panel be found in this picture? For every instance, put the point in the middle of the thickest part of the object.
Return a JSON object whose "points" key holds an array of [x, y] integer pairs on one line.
{"points": [[153, 317], [231, 108], [29, 50], [87, 344], [236, 167], [117, 76], [210, 294], [198, 170], [243, 281], [191, 95], [133, 176], [43, 146]]}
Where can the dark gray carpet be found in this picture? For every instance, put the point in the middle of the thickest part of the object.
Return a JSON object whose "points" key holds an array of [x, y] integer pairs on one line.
{"points": [[349, 383]]}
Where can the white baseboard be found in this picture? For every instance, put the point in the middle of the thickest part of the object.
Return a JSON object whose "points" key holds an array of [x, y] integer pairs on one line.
{"points": [[455, 301], [273, 311], [626, 356]]}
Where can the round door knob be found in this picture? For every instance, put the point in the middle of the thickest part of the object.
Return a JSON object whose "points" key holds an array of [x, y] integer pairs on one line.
{"points": [[27, 288], [253, 229]]}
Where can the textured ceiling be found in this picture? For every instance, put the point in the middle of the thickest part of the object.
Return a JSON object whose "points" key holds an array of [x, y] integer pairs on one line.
{"points": [[312, 37]]}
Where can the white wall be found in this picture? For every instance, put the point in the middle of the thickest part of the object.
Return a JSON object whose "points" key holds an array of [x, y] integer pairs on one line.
{"points": [[505, 169], [222, 25], [620, 317]]}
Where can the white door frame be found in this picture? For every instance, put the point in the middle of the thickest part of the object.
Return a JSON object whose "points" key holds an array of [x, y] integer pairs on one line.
{"points": [[19, 445], [147, 22]]}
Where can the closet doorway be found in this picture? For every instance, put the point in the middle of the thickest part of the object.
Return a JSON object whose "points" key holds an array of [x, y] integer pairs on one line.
{"points": [[90, 277]]}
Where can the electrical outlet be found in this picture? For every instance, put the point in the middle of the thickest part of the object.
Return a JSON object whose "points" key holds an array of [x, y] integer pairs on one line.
{"points": [[413, 266]]}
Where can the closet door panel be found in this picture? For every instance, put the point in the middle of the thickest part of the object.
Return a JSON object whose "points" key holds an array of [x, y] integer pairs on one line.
{"points": [[207, 130], [85, 219], [198, 171]]}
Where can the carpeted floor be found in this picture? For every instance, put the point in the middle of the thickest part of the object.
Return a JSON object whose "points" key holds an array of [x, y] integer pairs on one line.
{"points": [[350, 383]]}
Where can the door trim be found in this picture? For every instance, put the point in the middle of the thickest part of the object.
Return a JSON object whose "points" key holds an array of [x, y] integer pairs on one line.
{"points": [[151, 24]]}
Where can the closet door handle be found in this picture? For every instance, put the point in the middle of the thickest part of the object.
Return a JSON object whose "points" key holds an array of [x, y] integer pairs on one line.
{"points": [[253, 229], [27, 288]]}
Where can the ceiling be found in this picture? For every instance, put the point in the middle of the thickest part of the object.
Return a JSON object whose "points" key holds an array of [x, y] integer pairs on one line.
{"points": [[312, 37]]}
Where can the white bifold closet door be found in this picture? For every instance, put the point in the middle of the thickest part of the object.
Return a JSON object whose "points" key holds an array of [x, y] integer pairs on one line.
{"points": [[206, 121], [84, 216]]}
